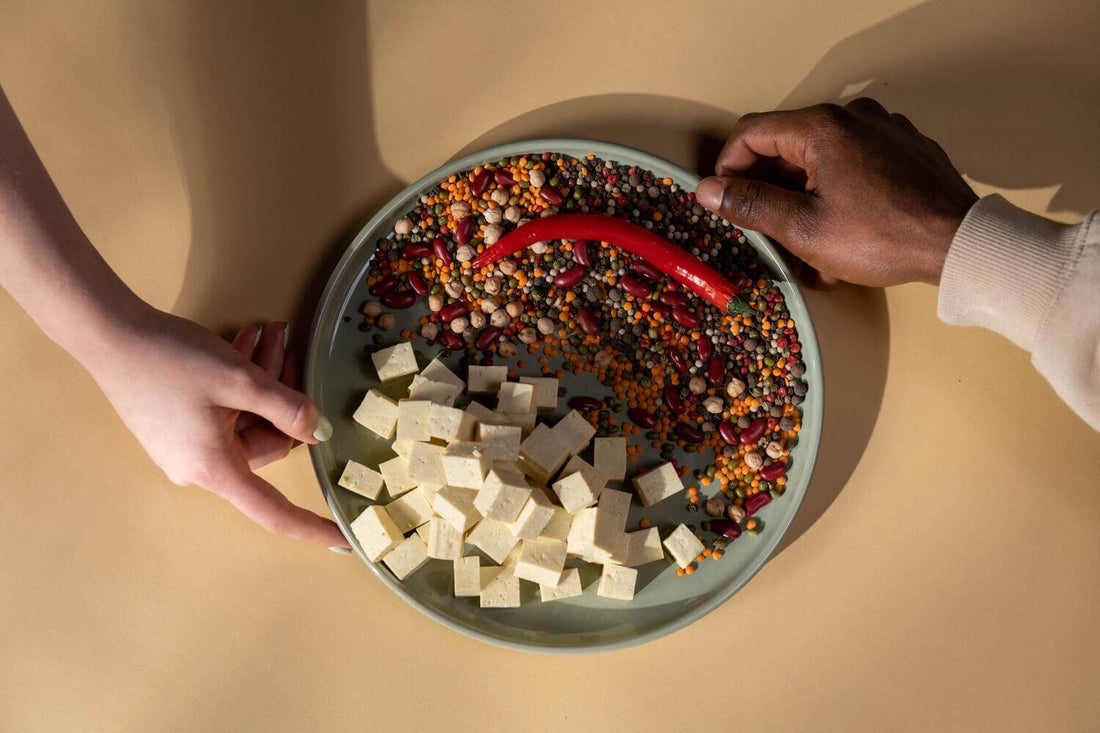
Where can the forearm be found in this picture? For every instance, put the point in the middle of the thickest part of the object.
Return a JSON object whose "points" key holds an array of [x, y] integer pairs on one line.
{"points": [[47, 263]]}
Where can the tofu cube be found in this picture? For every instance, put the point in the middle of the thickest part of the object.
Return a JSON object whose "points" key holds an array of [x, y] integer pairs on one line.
{"points": [[465, 465], [422, 531], [440, 393], [467, 572], [567, 587], [425, 464], [437, 371], [536, 513], [541, 454], [609, 457], [456, 505], [412, 420], [444, 541], [395, 472], [501, 589], [541, 561], [363, 480], [580, 485], [404, 448], [394, 362], [376, 531], [525, 421], [450, 424], [546, 391], [486, 379], [683, 546], [617, 582], [558, 526], [407, 557], [410, 511], [377, 413], [643, 547], [658, 484], [502, 494], [595, 540], [493, 538], [501, 442], [484, 415], [574, 432], [615, 506], [515, 397]]}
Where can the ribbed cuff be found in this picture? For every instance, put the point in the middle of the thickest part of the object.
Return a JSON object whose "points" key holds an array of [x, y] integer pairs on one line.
{"points": [[1004, 270]]}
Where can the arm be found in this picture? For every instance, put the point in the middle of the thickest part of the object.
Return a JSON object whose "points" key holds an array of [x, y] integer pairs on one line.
{"points": [[859, 194], [179, 388]]}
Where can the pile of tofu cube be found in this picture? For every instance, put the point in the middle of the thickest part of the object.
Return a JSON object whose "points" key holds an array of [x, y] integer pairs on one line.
{"points": [[504, 482]]}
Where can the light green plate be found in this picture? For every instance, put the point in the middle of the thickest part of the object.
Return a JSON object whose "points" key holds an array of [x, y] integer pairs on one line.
{"points": [[338, 372]]}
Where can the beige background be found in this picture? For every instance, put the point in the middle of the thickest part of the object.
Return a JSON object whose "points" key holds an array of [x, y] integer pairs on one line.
{"points": [[944, 572]]}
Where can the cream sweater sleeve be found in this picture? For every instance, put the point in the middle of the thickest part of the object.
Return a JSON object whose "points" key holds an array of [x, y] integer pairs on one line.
{"points": [[1036, 283]]}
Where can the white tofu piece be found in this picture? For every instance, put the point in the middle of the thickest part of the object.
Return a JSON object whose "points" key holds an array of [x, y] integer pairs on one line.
{"points": [[515, 397], [546, 391], [410, 511], [493, 538], [444, 541], [609, 457], [456, 505], [536, 513], [580, 485], [501, 591], [404, 448], [465, 465], [437, 371], [422, 531], [440, 393], [450, 424], [683, 546], [617, 582], [643, 547], [395, 472], [377, 413], [425, 465], [412, 420], [407, 558], [394, 362], [502, 494], [615, 505], [558, 526], [486, 379], [595, 540], [501, 442], [658, 484], [574, 432], [541, 454], [429, 490], [524, 420], [467, 574], [484, 415], [363, 480], [376, 531], [567, 587], [541, 561], [513, 557]]}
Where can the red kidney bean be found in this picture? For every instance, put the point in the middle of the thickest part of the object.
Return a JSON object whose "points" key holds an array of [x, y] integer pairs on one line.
{"points": [[570, 277], [687, 432], [726, 528], [752, 433], [640, 417], [503, 178], [398, 300], [772, 472], [581, 252], [587, 321], [416, 282], [387, 284], [705, 348], [464, 230], [440, 249], [673, 298], [450, 312], [487, 337], [756, 502], [725, 429], [635, 287], [677, 360], [716, 370], [643, 267], [661, 308], [416, 250], [685, 318], [451, 340], [672, 399], [551, 196], [585, 403], [480, 183]]}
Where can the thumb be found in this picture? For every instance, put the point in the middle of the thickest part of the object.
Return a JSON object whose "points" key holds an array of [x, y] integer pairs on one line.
{"points": [[778, 212], [289, 410]]}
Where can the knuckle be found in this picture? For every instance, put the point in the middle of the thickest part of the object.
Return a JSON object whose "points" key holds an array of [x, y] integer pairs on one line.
{"points": [[297, 413], [830, 115]]}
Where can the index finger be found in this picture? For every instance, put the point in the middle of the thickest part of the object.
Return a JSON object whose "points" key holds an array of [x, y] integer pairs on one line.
{"points": [[781, 134]]}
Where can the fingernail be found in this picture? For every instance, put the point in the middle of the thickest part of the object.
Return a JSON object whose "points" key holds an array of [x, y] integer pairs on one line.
{"points": [[709, 193], [324, 429], [286, 335], [259, 332], [340, 550]]}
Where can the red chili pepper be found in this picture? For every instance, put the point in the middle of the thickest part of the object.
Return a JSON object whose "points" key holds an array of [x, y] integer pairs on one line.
{"points": [[580, 253], [704, 280], [570, 277], [480, 183], [416, 282], [464, 230], [503, 178], [440, 249], [756, 502], [772, 472]]}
